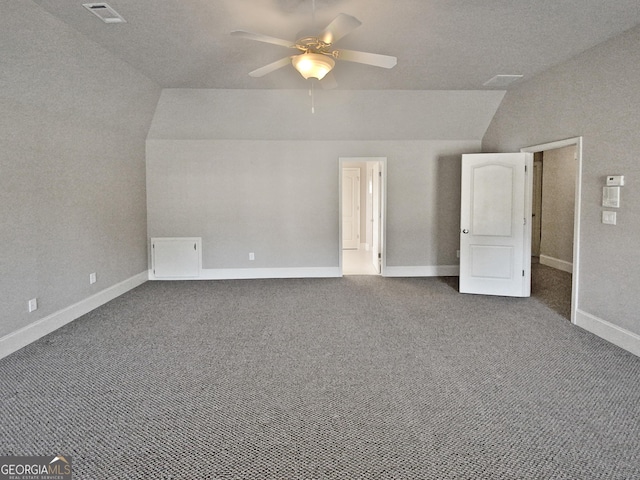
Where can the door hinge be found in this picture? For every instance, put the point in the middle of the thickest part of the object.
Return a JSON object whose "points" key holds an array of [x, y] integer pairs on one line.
{"points": [[525, 169], [379, 174], [379, 256], [194, 246], [523, 273]]}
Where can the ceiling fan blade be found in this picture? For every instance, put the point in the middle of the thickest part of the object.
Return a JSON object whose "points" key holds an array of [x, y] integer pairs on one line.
{"points": [[262, 38], [329, 81], [340, 26], [375, 59], [272, 67]]}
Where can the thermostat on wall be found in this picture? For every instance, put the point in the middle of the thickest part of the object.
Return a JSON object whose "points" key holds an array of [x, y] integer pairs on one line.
{"points": [[611, 197], [615, 180]]}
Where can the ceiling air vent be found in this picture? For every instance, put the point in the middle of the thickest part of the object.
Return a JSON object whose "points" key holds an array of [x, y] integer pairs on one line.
{"points": [[104, 12], [502, 80]]}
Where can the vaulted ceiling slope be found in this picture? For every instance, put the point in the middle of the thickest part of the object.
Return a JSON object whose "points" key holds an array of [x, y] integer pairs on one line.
{"points": [[216, 114], [440, 44]]}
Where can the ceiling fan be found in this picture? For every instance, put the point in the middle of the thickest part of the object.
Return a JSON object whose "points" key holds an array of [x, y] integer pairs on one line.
{"points": [[317, 56]]}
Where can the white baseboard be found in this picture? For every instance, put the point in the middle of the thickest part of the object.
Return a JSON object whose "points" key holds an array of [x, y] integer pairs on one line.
{"points": [[556, 263], [253, 273], [312, 272], [16, 340], [423, 271], [612, 333]]}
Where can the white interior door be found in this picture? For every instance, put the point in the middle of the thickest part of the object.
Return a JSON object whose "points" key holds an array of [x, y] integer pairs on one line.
{"points": [[495, 237], [350, 208]]}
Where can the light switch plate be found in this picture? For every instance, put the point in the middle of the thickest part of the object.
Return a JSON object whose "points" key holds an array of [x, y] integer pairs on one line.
{"points": [[608, 218]]}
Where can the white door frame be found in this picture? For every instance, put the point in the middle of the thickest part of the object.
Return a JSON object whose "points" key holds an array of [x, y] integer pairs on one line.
{"points": [[383, 210], [368, 227], [577, 141], [376, 215]]}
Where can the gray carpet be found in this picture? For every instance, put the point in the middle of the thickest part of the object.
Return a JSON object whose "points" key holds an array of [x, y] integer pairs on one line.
{"points": [[552, 287], [352, 378]]}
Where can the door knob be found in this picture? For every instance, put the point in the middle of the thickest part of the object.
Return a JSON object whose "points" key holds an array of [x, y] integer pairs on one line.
{"points": [[465, 231]]}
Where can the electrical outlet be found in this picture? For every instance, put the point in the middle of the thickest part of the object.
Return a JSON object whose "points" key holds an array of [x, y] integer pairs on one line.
{"points": [[92, 278], [33, 304], [252, 256]]}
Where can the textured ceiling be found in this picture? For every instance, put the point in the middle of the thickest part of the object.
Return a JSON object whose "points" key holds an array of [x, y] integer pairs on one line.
{"points": [[440, 44]]}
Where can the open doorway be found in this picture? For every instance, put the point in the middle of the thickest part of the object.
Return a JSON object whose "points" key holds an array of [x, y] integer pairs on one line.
{"points": [[361, 207], [555, 224]]}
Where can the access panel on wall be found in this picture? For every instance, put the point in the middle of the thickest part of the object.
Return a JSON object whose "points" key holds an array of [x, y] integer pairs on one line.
{"points": [[176, 257]]}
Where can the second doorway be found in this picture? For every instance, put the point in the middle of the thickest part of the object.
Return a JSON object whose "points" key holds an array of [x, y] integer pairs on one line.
{"points": [[362, 215]]}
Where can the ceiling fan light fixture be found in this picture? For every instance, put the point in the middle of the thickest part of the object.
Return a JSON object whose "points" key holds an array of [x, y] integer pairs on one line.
{"points": [[313, 65]]}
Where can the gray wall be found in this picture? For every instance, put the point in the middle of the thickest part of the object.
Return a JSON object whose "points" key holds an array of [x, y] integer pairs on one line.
{"points": [[558, 203], [256, 171], [595, 95], [72, 176], [279, 199]]}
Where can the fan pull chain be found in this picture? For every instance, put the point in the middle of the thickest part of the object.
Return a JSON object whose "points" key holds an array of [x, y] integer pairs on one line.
{"points": [[311, 94]]}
